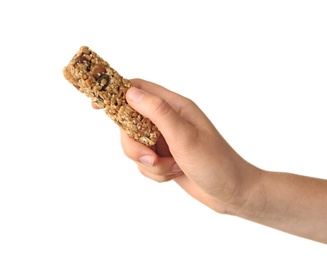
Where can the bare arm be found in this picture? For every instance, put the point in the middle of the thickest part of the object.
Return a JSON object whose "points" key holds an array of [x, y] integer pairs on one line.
{"points": [[288, 202]]}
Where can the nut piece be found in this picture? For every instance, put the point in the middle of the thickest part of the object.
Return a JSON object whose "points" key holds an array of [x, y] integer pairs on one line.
{"points": [[94, 77]]}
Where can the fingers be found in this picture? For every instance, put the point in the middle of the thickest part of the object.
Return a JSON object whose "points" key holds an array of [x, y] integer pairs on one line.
{"points": [[160, 169], [157, 90], [176, 101], [161, 113], [162, 172], [137, 151], [175, 116], [94, 105]]}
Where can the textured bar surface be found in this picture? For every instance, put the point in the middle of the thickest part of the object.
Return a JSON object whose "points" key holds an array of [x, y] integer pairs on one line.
{"points": [[94, 77]]}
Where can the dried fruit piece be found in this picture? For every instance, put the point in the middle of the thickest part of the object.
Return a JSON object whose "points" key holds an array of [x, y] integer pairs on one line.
{"points": [[103, 81]]}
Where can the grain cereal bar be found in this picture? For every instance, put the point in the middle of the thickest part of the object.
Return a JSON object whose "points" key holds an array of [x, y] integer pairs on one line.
{"points": [[94, 77]]}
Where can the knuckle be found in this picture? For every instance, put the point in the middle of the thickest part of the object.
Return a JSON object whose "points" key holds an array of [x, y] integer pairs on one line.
{"points": [[162, 108], [154, 175]]}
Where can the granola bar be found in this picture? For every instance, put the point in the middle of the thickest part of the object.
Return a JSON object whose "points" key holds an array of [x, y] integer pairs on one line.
{"points": [[94, 77]]}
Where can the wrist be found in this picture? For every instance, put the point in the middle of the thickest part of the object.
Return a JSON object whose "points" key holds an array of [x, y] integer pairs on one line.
{"points": [[248, 197]]}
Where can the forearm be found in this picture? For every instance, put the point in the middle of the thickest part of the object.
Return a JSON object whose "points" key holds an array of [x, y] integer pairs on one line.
{"points": [[291, 203]]}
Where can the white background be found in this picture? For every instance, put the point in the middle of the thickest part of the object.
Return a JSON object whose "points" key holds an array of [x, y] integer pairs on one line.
{"points": [[67, 191]]}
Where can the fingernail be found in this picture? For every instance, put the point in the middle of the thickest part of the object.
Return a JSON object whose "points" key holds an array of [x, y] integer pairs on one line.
{"points": [[147, 160], [175, 168], [135, 94]]}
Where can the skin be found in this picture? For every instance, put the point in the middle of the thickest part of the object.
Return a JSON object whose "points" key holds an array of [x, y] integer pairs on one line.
{"points": [[194, 154]]}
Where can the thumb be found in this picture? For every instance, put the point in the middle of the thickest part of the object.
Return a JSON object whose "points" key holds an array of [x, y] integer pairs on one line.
{"points": [[168, 121]]}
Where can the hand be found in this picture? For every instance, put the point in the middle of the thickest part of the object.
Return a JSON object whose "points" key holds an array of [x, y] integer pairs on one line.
{"points": [[193, 153], [190, 150]]}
